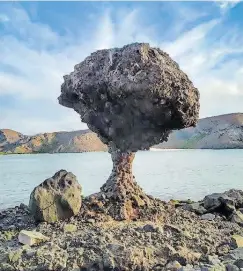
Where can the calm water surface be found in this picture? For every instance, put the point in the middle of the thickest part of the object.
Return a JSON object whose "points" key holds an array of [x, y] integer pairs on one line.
{"points": [[179, 174]]}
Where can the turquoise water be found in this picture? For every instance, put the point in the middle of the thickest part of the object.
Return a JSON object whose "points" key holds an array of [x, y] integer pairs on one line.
{"points": [[179, 174]]}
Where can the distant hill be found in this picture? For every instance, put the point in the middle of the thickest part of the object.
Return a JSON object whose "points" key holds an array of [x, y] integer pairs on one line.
{"points": [[219, 132], [77, 141]]}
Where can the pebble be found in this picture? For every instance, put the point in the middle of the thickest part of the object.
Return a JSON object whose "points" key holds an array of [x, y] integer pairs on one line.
{"points": [[149, 228], [31, 237], [209, 217], [214, 260], [173, 266]]}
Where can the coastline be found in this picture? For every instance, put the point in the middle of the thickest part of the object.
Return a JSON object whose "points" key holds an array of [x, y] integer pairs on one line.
{"points": [[151, 149]]}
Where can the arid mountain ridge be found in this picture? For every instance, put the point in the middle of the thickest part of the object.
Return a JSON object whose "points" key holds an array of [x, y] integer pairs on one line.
{"points": [[218, 132]]}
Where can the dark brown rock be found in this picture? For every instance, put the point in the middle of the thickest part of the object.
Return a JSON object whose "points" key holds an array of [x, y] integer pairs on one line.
{"points": [[132, 97]]}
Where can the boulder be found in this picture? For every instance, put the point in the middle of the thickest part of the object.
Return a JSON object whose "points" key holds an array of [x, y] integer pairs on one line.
{"points": [[57, 198], [228, 204], [228, 201], [212, 201]]}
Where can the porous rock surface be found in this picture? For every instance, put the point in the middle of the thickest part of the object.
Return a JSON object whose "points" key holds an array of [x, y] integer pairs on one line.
{"points": [[167, 238], [57, 198], [228, 204], [132, 97]]}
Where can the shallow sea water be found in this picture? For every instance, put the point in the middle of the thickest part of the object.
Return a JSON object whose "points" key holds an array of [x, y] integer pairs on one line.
{"points": [[177, 174]]}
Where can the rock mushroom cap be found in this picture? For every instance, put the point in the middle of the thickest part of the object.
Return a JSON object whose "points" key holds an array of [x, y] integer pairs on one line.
{"points": [[132, 97]]}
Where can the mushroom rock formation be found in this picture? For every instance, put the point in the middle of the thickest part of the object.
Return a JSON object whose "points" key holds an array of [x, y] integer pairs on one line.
{"points": [[132, 97]]}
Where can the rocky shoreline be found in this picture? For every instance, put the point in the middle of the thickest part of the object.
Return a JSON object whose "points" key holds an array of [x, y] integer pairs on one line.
{"points": [[133, 97], [173, 236]]}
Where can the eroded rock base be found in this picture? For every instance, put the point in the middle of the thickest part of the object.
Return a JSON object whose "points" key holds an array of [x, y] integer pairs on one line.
{"points": [[121, 197]]}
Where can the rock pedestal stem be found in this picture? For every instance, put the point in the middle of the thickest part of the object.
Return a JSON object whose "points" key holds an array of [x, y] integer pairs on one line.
{"points": [[122, 187]]}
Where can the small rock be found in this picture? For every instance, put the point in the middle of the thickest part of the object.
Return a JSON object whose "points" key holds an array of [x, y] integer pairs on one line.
{"points": [[237, 217], [232, 267], [22, 206], [108, 261], [31, 237], [186, 256], [91, 220], [173, 266], [212, 201], [70, 228], [214, 260], [159, 230], [14, 256], [172, 228], [186, 234], [149, 228], [30, 253], [189, 267], [223, 249], [169, 250], [6, 267], [209, 217], [12, 228], [235, 254], [237, 241], [9, 235], [239, 263], [217, 267], [196, 207], [115, 247]]}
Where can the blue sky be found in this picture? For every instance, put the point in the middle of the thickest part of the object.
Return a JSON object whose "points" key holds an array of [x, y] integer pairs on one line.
{"points": [[42, 41]]}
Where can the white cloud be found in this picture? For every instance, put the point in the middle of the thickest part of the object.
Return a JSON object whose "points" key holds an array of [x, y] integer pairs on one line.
{"points": [[32, 73], [226, 5], [3, 18], [189, 40]]}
